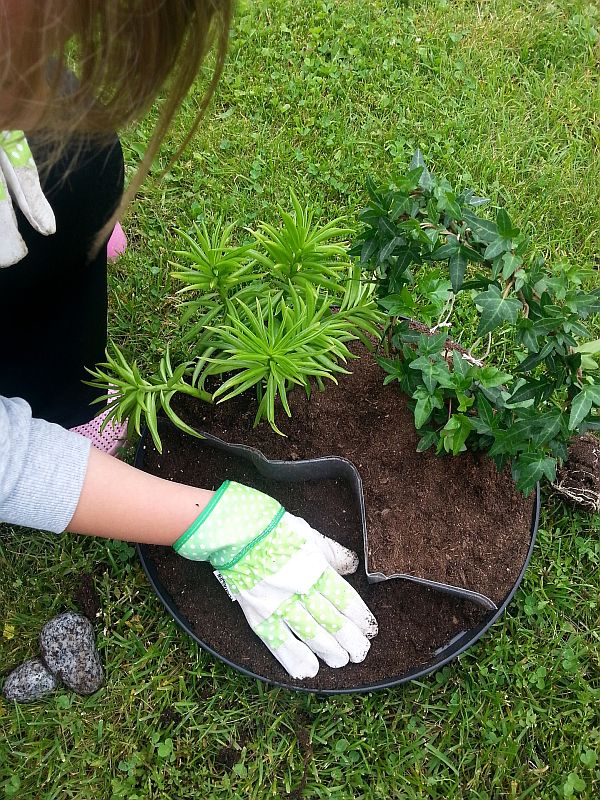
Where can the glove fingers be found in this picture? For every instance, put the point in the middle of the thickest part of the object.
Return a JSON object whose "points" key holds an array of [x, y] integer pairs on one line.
{"points": [[12, 246], [294, 656], [343, 560], [322, 643], [340, 558], [347, 601], [347, 634], [24, 184]]}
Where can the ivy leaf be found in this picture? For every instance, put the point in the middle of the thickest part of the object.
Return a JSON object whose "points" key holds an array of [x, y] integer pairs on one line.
{"points": [[401, 304], [428, 371], [425, 181], [588, 364], [551, 424], [535, 358], [474, 200], [455, 433], [465, 401], [448, 203], [479, 282], [510, 441], [486, 415], [505, 226], [401, 205], [444, 377], [424, 407], [398, 274], [394, 367], [428, 439], [458, 266], [530, 390], [409, 182], [510, 264], [368, 250], [496, 247], [433, 288], [460, 365], [526, 335], [489, 377], [432, 212], [430, 344], [469, 197], [405, 335], [593, 391], [471, 254], [589, 348], [446, 250], [576, 328], [586, 303], [495, 396], [483, 230], [580, 408], [389, 248], [386, 228], [520, 279], [529, 468], [496, 309]]}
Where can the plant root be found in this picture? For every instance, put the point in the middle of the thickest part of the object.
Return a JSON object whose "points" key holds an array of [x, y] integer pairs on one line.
{"points": [[579, 479]]}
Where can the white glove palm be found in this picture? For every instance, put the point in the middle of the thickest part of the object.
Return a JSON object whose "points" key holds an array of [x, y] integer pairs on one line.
{"points": [[286, 578]]}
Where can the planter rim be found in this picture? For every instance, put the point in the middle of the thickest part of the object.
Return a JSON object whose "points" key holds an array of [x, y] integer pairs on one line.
{"points": [[328, 466]]}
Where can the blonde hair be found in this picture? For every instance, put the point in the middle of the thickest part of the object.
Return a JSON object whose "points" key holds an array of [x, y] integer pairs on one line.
{"points": [[124, 52]]}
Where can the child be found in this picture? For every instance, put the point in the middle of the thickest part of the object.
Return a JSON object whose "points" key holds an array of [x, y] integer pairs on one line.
{"points": [[53, 319]]}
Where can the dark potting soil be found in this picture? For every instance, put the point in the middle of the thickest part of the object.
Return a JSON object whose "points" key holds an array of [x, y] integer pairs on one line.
{"points": [[86, 597], [413, 621], [453, 520], [449, 519]]}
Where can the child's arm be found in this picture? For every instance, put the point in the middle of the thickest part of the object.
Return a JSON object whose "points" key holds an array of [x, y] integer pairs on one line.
{"points": [[121, 502], [52, 479]]}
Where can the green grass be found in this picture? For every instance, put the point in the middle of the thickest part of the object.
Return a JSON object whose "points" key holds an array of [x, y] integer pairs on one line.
{"points": [[501, 95]]}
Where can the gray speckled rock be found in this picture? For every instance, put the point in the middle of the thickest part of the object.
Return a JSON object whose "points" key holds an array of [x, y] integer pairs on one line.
{"points": [[29, 682], [69, 651]]}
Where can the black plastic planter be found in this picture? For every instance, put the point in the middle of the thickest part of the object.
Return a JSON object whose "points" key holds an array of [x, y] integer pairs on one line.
{"points": [[321, 469]]}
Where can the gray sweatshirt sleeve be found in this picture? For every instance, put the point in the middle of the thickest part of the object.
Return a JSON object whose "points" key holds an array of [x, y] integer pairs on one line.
{"points": [[42, 469]]}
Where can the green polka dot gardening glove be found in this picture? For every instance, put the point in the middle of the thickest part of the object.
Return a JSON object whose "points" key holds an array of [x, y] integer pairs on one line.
{"points": [[19, 183], [286, 578]]}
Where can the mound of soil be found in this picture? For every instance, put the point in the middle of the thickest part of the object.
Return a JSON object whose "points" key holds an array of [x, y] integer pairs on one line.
{"points": [[414, 621], [449, 519]]}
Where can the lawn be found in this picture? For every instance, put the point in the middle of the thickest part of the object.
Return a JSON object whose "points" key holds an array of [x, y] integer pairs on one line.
{"points": [[503, 96]]}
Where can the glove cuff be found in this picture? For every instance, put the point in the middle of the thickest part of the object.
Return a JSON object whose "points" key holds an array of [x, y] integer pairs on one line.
{"points": [[180, 545], [236, 518]]}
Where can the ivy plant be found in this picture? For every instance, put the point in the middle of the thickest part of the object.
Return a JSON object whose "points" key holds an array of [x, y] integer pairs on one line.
{"points": [[428, 248]]}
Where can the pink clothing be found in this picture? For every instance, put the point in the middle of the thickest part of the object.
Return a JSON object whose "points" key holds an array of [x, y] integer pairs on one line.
{"points": [[117, 244]]}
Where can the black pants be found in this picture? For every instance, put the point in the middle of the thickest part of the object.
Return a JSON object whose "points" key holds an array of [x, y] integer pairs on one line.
{"points": [[53, 303]]}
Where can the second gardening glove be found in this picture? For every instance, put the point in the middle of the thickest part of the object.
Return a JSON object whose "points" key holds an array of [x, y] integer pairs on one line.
{"points": [[286, 578], [20, 184]]}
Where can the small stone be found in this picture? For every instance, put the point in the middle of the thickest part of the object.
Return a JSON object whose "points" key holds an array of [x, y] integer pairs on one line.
{"points": [[68, 648], [29, 682]]}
